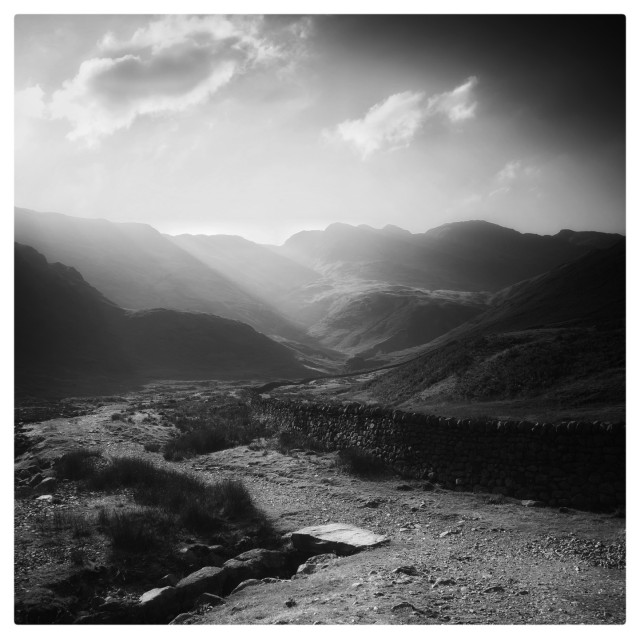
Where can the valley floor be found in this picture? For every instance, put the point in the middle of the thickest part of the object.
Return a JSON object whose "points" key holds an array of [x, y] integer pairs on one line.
{"points": [[452, 557]]}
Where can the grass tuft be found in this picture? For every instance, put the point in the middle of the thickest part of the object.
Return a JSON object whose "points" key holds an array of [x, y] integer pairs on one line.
{"points": [[357, 461], [77, 464], [196, 504], [207, 428], [136, 529]]}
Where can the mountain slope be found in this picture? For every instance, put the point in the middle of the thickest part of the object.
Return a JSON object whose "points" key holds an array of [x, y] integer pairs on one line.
{"points": [[137, 267], [555, 342], [68, 335], [379, 321], [462, 256], [256, 269]]}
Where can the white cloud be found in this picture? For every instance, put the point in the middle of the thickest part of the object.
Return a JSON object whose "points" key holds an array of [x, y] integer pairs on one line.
{"points": [[171, 64], [170, 31], [516, 170], [388, 124], [394, 122], [457, 105], [95, 112]]}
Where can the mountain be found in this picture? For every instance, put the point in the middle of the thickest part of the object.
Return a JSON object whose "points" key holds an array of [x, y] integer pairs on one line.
{"points": [[547, 346], [254, 268], [380, 321], [137, 267], [461, 256], [345, 292], [589, 239], [69, 337]]}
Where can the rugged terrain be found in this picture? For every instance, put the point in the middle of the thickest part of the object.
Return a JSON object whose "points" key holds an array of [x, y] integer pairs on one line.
{"points": [[72, 339], [451, 557]]}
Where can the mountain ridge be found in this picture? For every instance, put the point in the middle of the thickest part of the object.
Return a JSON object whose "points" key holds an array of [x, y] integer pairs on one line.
{"points": [[69, 335]]}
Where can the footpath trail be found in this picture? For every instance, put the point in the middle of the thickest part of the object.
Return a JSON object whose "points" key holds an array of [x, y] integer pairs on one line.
{"points": [[452, 557]]}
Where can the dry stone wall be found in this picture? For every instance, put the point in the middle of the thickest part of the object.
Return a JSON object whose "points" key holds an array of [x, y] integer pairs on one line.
{"points": [[575, 464]]}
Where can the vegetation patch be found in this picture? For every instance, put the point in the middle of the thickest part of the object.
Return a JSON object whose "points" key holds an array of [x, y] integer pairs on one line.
{"points": [[62, 520], [135, 529], [362, 463], [77, 464], [207, 428], [196, 504]]}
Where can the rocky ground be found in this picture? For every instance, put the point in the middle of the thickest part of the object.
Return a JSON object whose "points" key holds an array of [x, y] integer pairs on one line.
{"points": [[450, 557]]}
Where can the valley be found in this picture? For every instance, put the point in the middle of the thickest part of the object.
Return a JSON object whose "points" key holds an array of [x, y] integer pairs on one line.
{"points": [[151, 488], [460, 309]]}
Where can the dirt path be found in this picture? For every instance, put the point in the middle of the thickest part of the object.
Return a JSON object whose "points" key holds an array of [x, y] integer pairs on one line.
{"points": [[452, 557], [473, 562]]}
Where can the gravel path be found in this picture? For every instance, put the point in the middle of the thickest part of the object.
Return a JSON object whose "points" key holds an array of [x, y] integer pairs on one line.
{"points": [[452, 557]]}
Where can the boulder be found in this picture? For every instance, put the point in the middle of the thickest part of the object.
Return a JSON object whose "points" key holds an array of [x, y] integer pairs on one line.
{"points": [[158, 596], [342, 539], [255, 564], [158, 603], [208, 579]]}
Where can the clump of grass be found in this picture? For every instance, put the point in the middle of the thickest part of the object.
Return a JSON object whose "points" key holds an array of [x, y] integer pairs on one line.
{"points": [[77, 464], [207, 428], [233, 497], [135, 529], [288, 440], [357, 461], [79, 524], [196, 442], [196, 504]]}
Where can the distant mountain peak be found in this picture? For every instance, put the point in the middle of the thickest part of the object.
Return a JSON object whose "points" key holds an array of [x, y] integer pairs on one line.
{"points": [[396, 230]]}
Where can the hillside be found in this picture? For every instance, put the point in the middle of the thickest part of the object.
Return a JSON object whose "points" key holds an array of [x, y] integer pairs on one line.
{"points": [[263, 273], [379, 321], [70, 337], [137, 267], [462, 256], [346, 294], [554, 342]]}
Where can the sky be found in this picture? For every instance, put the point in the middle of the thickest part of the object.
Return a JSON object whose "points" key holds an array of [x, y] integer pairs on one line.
{"points": [[265, 126]]}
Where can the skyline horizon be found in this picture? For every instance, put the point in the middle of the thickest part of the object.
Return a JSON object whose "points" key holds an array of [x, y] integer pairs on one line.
{"points": [[262, 126], [324, 228]]}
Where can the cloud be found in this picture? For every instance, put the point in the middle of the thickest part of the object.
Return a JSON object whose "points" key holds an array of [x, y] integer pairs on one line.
{"points": [[457, 105], [394, 122], [171, 64], [391, 124], [516, 171]]}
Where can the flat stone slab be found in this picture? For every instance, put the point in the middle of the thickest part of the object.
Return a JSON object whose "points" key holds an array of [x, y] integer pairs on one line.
{"points": [[342, 539]]}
